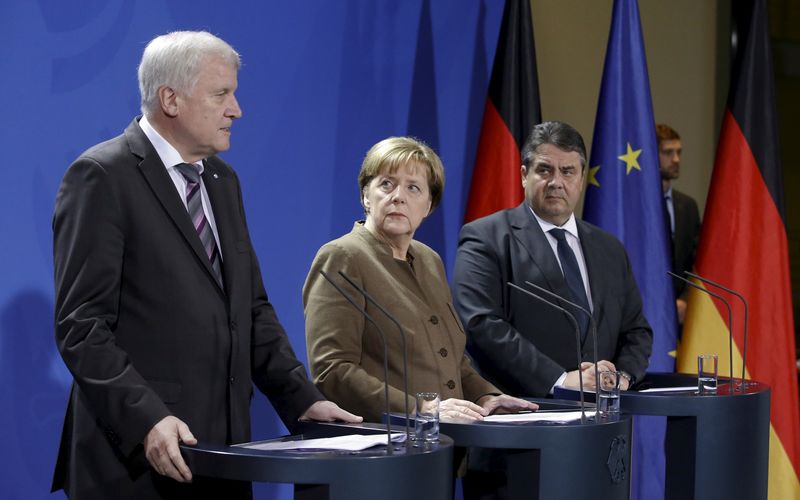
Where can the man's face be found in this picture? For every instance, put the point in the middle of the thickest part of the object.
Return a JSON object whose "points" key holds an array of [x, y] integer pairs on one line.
{"points": [[669, 159], [553, 183], [205, 114]]}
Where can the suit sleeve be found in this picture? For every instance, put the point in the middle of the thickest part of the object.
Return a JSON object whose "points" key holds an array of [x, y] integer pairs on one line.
{"points": [[480, 292], [276, 371], [88, 255], [334, 333], [635, 340]]}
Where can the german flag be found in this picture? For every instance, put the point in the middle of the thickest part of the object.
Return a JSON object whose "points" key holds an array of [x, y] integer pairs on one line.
{"points": [[743, 245], [512, 109]]}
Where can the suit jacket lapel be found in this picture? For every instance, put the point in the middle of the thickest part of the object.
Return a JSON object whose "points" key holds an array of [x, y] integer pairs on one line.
{"points": [[530, 235], [591, 252], [155, 173]]}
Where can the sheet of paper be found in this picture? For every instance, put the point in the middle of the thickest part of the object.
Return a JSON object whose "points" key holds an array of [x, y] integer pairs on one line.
{"points": [[539, 416], [687, 388], [350, 442]]}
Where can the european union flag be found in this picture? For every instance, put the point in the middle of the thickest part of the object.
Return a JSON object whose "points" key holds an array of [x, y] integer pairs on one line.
{"points": [[624, 197]]}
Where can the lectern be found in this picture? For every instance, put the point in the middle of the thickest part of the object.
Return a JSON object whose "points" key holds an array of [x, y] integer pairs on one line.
{"points": [[406, 473], [717, 446]]}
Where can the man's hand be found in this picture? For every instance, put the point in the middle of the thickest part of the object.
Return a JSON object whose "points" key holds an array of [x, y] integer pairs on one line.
{"points": [[505, 404], [328, 411], [573, 381], [459, 410], [681, 305], [162, 451]]}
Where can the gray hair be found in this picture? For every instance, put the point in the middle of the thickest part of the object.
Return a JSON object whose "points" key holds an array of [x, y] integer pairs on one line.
{"points": [[559, 134], [174, 60]]}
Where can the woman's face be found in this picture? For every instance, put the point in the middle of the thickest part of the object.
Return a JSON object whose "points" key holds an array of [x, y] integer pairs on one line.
{"points": [[397, 203]]}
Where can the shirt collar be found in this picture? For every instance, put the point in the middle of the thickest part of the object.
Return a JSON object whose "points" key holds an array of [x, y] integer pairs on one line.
{"points": [[571, 226], [168, 154], [668, 193]]}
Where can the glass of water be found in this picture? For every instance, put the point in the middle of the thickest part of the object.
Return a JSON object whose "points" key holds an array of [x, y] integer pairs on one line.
{"points": [[426, 421], [707, 374], [609, 393]]}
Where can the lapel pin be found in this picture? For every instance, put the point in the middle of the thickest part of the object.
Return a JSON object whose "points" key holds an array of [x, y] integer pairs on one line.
{"points": [[216, 176]]}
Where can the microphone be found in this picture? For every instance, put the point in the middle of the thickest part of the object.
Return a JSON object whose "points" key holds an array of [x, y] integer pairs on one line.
{"points": [[744, 301], [577, 338], [730, 321], [402, 336], [385, 353], [592, 323]]}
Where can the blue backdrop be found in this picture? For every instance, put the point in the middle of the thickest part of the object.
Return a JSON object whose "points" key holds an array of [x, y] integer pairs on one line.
{"points": [[321, 82]]}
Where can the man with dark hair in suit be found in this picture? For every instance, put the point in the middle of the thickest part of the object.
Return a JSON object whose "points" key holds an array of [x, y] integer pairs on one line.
{"points": [[524, 347], [161, 314], [684, 217]]}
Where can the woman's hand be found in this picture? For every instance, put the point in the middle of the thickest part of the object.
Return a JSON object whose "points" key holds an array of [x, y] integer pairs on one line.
{"points": [[459, 410], [505, 404]]}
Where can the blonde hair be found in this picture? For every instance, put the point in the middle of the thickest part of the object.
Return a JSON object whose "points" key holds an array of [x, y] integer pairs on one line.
{"points": [[390, 154]]}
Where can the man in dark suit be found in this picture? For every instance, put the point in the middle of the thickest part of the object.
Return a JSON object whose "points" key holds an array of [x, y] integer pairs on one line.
{"points": [[684, 217], [161, 314], [523, 346]]}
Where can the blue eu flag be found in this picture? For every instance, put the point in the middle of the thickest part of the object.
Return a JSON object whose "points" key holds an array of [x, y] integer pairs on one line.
{"points": [[624, 197]]}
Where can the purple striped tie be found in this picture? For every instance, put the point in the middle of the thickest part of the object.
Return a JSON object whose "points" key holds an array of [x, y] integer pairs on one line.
{"points": [[194, 205]]}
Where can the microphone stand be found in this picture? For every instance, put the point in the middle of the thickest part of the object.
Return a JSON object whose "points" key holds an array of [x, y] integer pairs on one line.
{"points": [[577, 338], [730, 321], [402, 336], [746, 314], [385, 354], [591, 322]]}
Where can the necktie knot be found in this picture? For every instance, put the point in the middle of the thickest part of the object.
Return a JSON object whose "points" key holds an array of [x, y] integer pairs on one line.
{"points": [[189, 171], [559, 234]]}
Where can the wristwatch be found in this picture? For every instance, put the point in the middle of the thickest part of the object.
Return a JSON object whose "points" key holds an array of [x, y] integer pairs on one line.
{"points": [[628, 377]]}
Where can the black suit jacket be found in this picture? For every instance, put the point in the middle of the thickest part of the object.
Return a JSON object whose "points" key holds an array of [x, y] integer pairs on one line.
{"points": [[144, 327], [687, 233], [522, 345]]}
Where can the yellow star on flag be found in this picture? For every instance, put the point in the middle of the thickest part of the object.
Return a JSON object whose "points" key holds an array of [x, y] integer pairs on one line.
{"points": [[592, 178], [631, 159]]}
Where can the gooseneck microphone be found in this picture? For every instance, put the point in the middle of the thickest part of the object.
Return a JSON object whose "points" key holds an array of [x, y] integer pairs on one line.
{"points": [[577, 338], [592, 323], [730, 321], [746, 314], [402, 337], [385, 354]]}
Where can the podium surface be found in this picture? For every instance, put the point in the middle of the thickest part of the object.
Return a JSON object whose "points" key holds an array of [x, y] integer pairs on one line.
{"points": [[555, 460], [406, 473], [717, 446]]}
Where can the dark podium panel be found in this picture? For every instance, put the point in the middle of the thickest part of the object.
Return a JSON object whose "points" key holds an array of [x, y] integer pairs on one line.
{"points": [[717, 446], [336, 475], [548, 460]]}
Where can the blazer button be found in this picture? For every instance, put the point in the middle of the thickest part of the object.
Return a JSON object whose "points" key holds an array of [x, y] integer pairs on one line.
{"points": [[434, 320], [450, 385], [443, 352], [233, 379]]}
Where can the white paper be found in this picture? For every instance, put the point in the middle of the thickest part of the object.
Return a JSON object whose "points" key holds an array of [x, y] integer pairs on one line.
{"points": [[350, 442], [539, 416], [686, 388]]}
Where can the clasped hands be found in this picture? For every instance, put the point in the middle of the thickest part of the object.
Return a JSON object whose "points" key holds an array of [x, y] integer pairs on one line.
{"points": [[161, 444], [589, 382]]}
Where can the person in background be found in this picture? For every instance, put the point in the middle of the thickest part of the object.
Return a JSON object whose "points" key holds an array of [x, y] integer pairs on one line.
{"points": [[682, 212]]}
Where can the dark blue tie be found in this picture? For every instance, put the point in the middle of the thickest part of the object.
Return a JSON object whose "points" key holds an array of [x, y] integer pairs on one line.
{"points": [[572, 274]]}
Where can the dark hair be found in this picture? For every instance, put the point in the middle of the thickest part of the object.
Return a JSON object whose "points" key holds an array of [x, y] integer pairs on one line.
{"points": [[666, 133], [559, 134]]}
